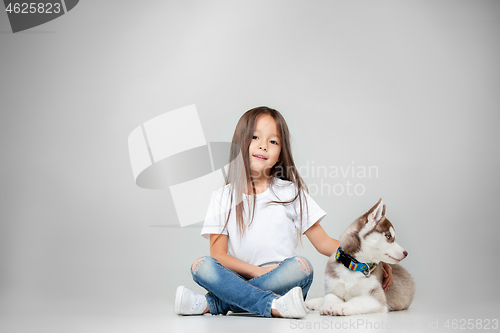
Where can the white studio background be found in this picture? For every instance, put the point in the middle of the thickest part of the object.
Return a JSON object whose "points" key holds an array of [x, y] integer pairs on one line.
{"points": [[410, 87]]}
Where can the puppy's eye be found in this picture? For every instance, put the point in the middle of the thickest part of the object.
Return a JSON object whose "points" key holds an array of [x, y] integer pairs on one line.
{"points": [[388, 236]]}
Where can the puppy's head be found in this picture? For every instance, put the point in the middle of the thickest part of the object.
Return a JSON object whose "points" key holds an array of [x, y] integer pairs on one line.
{"points": [[372, 238]]}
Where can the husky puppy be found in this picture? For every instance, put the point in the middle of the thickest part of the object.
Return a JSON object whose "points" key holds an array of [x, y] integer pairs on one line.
{"points": [[353, 283]]}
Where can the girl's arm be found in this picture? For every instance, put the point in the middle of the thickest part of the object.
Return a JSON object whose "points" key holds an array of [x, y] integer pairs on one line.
{"points": [[323, 243], [218, 250]]}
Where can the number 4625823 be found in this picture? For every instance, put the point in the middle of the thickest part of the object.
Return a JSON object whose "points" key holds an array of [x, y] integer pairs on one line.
{"points": [[33, 8]]}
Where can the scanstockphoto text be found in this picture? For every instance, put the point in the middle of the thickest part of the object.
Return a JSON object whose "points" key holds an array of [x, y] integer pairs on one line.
{"points": [[476, 324], [363, 324]]}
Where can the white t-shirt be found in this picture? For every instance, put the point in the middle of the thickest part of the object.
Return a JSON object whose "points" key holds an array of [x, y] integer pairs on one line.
{"points": [[272, 235]]}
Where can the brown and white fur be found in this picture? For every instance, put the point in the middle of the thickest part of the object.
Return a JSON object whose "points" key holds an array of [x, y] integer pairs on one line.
{"points": [[370, 238]]}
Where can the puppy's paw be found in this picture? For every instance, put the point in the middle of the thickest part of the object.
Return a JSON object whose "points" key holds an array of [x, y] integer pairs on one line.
{"points": [[340, 310], [314, 304], [326, 310], [334, 310]]}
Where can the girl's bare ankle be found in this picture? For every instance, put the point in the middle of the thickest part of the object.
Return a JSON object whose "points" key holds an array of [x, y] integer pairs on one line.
{"points": [[275, 313]]}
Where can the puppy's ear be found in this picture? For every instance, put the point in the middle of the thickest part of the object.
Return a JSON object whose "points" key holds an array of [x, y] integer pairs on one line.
{"points": [[376, 212]]}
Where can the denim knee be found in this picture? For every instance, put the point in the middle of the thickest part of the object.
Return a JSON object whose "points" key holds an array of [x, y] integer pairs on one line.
{"points": [[202, 262], [197, 263], [304, 265], [204, 270]]}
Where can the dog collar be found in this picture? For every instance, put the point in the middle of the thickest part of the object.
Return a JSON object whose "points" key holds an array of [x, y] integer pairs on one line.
{"points": [[354, 265]]}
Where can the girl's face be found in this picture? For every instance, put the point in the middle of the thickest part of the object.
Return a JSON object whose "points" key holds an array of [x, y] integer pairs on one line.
{"points": [[265, 147]]}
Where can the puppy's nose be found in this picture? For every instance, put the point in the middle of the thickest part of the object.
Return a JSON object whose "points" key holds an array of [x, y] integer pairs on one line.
{"points": [[405, 253]]}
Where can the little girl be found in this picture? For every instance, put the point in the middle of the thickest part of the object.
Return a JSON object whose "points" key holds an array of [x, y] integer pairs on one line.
{"points": [[254, 224]]}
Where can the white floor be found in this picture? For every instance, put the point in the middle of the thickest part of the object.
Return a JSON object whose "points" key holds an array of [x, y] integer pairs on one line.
{"points": [[69, 318]]}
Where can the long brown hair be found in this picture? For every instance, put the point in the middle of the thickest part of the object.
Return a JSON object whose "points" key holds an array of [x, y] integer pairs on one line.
{"points": [[239, 174]]}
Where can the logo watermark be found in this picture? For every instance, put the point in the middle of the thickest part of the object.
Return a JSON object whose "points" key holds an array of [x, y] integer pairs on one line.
{"points": [[171, 152]]}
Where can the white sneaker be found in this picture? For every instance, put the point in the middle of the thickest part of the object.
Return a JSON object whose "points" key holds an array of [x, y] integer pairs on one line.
{"points": [[188, 302], [291, 305]]}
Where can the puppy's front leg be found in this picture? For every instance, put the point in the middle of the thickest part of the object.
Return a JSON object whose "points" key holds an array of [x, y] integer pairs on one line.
{"points": [[330, 302], [314, 304], [359, 305]]}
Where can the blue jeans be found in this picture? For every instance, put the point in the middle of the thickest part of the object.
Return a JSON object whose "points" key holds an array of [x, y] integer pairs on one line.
{"points": [[229, 291]]}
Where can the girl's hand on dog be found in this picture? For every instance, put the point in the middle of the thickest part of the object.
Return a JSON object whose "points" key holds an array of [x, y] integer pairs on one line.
{"points": [[387, 275]]}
